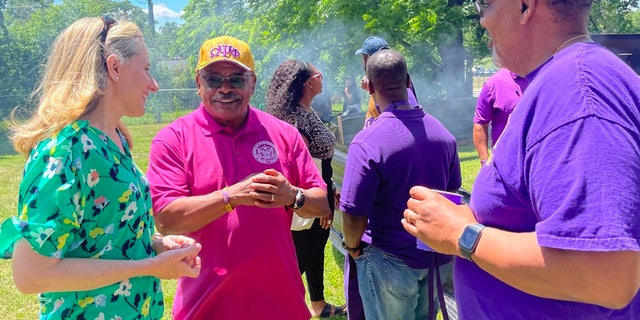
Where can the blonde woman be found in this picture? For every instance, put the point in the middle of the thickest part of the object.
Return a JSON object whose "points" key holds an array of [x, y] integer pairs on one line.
{"points": [[83, 234]]}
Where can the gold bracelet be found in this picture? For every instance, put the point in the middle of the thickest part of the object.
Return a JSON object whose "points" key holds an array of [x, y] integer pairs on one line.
{"points": [[225, 198]]}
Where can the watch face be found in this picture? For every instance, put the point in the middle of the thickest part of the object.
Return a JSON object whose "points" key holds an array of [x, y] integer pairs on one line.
{"points": [[299, 200], [469, 238]]}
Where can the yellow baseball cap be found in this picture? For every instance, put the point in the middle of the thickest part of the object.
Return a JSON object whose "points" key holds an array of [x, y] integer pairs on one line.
{"points": [[225, 48]]}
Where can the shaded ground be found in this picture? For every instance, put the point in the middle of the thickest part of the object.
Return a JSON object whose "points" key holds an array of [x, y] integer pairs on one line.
{"points": [[6, 147]]}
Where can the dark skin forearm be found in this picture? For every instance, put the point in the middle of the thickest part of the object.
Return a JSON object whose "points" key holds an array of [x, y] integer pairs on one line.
{"points": [[481, 140], [188, 214], [353, 228]]}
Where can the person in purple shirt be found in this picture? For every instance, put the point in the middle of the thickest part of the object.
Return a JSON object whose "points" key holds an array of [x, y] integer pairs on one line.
{"points": [[370, 46], [553, 227], [404, 147], [496, 101]]}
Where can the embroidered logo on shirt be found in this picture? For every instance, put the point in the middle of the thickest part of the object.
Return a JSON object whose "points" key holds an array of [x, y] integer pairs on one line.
{"points": [[265, 152]]}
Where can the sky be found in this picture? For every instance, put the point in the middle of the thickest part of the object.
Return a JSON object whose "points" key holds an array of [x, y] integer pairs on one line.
{"points": [[164, 10]]}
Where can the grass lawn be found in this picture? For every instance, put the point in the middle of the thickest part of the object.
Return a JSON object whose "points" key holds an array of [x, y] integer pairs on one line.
{"points": [[15, 305]]}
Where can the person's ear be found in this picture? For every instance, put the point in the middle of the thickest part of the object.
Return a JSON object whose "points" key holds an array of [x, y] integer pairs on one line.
{"points": [[197, 84], [527, 7], [253, 85], [370, 87], [113, 64], [408, 81]]}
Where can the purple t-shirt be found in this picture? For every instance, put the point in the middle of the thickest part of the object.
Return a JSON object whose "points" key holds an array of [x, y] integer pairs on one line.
{"points": [[499, 95], [567, 168], [401, 149]]}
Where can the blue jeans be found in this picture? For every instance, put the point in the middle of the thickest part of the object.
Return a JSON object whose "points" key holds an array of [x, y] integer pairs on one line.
{"points": [[392, 290]]}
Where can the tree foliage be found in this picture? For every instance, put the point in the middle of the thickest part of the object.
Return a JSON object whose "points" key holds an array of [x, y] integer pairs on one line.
{"points": [[441, 39], [29, 27], [327, 33], [613, 16]]}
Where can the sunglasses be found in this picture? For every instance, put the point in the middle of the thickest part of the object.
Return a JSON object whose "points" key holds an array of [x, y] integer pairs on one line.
{"points": [[215, 82], [108, 23], [319, 75], [481, 6]]}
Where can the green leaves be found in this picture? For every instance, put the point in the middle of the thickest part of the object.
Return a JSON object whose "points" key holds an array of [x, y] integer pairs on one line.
{"points": [[441, 39]]}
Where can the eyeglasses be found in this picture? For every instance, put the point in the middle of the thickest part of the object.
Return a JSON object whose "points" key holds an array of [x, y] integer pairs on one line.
{"points": [[481, 6], [215, 82], [319, 75], [108, 23]]}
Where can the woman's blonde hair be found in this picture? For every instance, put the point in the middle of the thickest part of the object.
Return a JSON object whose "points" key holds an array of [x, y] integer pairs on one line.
{"points": [[75, 78]]}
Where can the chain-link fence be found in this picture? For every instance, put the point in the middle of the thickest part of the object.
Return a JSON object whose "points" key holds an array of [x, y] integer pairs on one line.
{"points": [[163, 106], [166, 105]]}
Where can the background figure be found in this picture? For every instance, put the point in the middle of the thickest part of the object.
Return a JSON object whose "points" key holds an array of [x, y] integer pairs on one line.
{"points": [[554, 217], [370, 46], [230, 176], [83, 236], [498, 97], [404, 147], [293, 86], [322, 105], [351, 97]]}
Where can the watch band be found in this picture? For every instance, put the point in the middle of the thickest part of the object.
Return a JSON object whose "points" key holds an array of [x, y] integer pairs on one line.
{"points": [[353, 250]]}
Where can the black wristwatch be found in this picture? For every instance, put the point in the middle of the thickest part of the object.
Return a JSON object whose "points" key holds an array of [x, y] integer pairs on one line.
{"points": [[298, 202], [469, 239], [353, 250]]}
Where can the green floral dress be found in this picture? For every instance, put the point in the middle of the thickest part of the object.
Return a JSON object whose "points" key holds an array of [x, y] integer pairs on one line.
{"points": [[81, 197]]}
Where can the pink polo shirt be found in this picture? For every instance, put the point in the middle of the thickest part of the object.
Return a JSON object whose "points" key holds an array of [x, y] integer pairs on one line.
{"points": [[249, 267]]}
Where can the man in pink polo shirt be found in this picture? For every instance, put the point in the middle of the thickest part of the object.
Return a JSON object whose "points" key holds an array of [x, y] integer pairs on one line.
{"points": [[230, 176]]}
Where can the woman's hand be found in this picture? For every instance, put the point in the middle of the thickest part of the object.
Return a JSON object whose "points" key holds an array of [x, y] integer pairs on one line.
{"points": [[163, 243], [177, 258], [325, 222]]}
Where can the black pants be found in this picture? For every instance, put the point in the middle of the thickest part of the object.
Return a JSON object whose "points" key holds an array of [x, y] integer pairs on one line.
{"points": [[310, 245]]}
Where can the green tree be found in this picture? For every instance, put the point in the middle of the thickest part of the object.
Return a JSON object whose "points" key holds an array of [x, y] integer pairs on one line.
{"points": [[441, 39], [634, 17], [328, 32], [613, 16], [169, 69], [30, 28]]}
